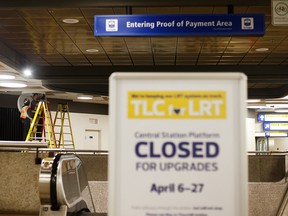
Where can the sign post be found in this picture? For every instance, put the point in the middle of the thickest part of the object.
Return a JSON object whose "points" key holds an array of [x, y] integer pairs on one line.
{"points": [[177, 144]]}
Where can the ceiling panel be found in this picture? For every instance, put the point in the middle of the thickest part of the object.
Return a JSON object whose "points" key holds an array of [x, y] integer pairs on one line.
{"points": [[40, 35]]}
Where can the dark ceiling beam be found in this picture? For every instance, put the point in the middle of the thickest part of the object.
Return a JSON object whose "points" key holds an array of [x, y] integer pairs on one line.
{"points": [[133, 3], [12, 58], [265, 93], [84, 88], [255, 72], [94, 79]]}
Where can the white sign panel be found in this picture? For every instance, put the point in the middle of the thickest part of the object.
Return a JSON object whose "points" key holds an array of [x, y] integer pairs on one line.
{"points": [[177, 144], [263, 117], [279, 12], [280, 126]]}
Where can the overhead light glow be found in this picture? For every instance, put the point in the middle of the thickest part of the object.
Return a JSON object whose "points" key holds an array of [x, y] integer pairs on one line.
{"points": [[92, 50], [14, 84], [253, 100], [85, 97], [264, 49], [70, 21], [256, 107], [6, 77], [27, 72]]}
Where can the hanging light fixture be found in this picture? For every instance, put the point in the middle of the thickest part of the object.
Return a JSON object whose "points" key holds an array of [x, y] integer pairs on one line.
{"points": [[7, 75], [13, 83]]}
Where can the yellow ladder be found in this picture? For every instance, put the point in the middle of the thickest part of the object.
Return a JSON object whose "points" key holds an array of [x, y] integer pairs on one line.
{"points": [[62, 126], [42, 125]]}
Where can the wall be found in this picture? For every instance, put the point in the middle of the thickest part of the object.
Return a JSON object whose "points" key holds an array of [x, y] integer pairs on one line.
{"points": [[267, 168], [89, 122], [280, 143], [10, 101], [275, 143], [250, 134], [265, 198], [19, 182], [83, 116]]}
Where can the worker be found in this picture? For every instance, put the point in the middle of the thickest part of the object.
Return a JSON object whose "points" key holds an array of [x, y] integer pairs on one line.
{"points": [[25, 118]]}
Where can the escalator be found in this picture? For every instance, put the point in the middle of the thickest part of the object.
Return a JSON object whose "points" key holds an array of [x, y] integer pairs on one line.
{"points": [[63, 187]]}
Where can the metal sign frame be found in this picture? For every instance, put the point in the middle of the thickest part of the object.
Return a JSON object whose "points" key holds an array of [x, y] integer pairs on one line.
{"points": [[179, 25], [152, 134]]}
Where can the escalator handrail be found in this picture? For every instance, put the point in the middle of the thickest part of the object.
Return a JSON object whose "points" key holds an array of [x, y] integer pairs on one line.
{"points": [[53, 184]]}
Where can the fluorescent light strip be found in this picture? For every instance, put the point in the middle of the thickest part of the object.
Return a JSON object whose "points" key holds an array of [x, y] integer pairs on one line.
{"points": [[85, 97]]}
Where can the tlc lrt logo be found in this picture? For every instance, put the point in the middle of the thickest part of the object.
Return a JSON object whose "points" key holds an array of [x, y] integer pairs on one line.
{"points": [[173, 105]]}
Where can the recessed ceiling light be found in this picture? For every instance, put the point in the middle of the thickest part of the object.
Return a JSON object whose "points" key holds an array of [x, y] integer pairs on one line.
{"points": [[13, 84], [70, 21], [92, 50], [261, 49], [85, 97], [27, 72]]}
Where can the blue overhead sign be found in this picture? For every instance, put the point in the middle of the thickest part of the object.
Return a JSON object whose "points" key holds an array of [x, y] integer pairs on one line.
{"points": [[275, 126], [265, 117], [276, 134], [179, 25]]}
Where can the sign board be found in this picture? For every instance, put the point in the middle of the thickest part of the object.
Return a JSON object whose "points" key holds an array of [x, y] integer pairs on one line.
{"points": [[275, 126], [279, 12], [179, 25], [276, 134], [178, 144], [263, 117]]}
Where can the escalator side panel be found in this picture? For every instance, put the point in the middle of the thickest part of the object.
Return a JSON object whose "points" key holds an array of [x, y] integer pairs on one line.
{"points": [[63, 182], [44, 181], [46, 210]]}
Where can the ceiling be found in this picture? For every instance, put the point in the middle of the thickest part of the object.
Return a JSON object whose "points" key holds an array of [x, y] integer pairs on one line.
{"points": [[32, 34]]}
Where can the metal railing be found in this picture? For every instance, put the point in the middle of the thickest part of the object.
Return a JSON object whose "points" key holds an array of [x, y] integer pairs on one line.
{"points": [[61, 150], [23, 144], [42, 147], [267, 152]]}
